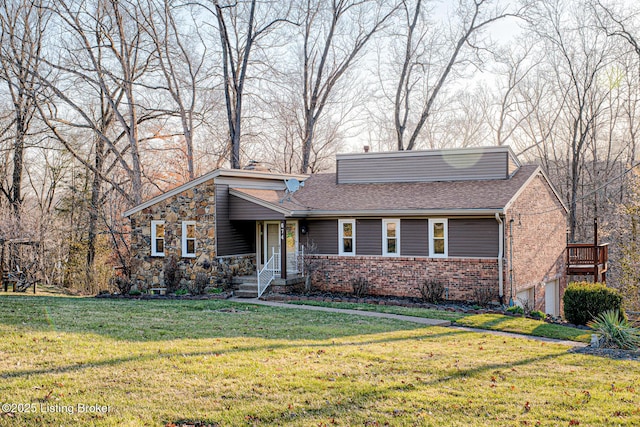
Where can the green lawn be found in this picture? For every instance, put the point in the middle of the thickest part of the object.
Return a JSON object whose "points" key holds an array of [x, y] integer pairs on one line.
{"points": [[405, 311], [523, 325], [162, 362], [496, 322]]}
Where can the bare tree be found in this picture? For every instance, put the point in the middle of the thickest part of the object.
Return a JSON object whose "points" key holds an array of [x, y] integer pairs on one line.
{"points": [[182, 65], [240, 27], [107, 56], [513, 108], [327, 56], [578, 56], [90, 100], [22, 26], [427, 64]]}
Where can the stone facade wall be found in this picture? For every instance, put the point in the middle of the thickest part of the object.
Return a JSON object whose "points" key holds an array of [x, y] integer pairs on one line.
{"points": [[401, 276], [539, 241], [195, 204]]}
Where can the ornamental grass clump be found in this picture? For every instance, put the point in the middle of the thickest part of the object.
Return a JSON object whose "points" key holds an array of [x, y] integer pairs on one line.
{"points": [[614, 331]]}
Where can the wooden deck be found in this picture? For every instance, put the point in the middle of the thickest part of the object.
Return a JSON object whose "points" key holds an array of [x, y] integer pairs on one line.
{"points": [[587, 259]]}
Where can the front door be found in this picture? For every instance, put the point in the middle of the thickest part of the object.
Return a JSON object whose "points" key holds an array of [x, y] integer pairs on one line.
{"points": [[270, 243]]}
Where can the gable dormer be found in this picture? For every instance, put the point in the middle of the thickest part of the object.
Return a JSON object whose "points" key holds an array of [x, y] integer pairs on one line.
{"points": [[427, 166]]}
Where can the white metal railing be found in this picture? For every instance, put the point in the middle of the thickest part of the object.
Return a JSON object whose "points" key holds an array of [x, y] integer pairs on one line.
{"points": [[270, 270]]}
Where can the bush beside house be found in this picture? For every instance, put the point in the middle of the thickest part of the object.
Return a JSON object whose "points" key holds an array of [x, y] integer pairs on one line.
{"points": [[584, 301]]}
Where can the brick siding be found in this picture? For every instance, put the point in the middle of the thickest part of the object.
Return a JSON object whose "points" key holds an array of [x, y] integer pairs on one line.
{"points": [[539, 241], [401, 276]]}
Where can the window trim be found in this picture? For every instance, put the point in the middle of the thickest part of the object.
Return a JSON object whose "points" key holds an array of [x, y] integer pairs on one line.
{"points": [[385, 237], [432, 222], [154, 247], [341, 237], [186, 254]]}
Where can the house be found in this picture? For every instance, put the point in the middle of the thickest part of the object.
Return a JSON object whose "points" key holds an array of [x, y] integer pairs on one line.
{"points": [[474, 220]]}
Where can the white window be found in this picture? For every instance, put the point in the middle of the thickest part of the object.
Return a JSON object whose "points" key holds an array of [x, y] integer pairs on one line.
{"points": [[188, 239], [347, 236], [438, 238], [157, 238], [390, 237]]}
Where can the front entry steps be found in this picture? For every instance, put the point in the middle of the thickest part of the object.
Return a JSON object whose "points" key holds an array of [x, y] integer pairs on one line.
{"points": [[245, 286]]}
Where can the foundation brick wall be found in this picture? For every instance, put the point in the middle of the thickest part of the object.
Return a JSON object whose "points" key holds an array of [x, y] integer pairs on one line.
{"points": [[401, 276], [195, 204], [539, 241]]}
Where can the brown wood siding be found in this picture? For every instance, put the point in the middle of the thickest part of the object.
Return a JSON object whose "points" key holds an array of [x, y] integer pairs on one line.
{"points": [[233, 237], [369, 237], [423, 168], [473, 237], [324, 233], [414, 239], [243, 210]]}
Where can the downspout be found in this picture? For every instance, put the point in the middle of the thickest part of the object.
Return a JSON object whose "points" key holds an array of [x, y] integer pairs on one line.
{"points": [[511, 303], [500, 258]]}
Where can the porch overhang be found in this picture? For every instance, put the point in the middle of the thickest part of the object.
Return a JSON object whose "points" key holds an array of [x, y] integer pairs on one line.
{"points": [[245, 207]]}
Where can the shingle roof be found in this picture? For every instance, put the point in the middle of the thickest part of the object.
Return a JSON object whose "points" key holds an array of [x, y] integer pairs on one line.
{"points": [[321, 194]]}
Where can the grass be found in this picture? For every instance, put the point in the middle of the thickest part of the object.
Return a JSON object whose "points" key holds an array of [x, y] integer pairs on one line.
{"points": [[526, 326], [405, 311], [496, 322], [162, 362]]}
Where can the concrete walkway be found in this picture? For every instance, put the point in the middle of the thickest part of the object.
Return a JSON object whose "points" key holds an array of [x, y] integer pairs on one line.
{"points": [[420, 320], [413, 319]]}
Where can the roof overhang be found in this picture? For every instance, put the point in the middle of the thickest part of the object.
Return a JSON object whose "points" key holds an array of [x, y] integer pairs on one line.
{"points": [[233, 174], [259, 202], [316, 213], [538, 172], [396, 213]]}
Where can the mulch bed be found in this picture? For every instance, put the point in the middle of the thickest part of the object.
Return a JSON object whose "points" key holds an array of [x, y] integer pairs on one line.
{"points": [[220, 296], [611, 353]]}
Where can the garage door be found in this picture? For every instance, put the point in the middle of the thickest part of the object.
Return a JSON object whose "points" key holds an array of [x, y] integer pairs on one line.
{"points": [[552, 298]]}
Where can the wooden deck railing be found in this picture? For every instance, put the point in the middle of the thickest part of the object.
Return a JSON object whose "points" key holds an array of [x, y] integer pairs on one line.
{"points": [[587, 259], [587, 254]]}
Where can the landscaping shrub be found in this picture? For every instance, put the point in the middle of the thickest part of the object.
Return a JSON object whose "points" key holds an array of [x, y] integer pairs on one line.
{"points": [[171, 274], [584, 301], [615, 331], [515, 309], [537, 314], [199, 285], [482, 295], [431, 291], [360, 286]]}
